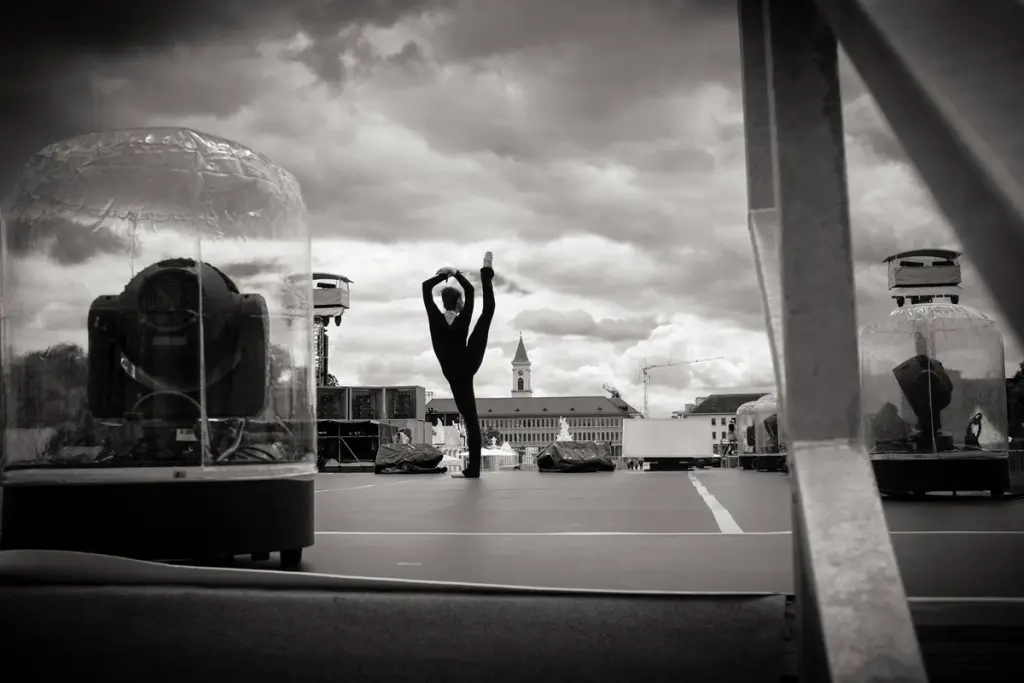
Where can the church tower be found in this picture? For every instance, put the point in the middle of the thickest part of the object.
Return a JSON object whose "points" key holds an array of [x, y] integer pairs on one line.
{"points": [[521, 387]]}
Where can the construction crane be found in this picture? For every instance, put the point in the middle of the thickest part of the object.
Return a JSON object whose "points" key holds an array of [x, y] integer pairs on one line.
{"points": [[611, 390], [645, 376]]}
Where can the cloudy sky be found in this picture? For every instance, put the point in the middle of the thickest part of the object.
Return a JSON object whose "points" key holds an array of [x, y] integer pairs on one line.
{"points": [[595, 147]]}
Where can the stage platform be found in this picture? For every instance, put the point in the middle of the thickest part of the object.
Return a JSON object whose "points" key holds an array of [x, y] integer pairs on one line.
{"points": [[710, 530]]}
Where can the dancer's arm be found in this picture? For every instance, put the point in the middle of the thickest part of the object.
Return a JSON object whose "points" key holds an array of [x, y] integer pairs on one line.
{"points": [[467, 295], [428, 294]]}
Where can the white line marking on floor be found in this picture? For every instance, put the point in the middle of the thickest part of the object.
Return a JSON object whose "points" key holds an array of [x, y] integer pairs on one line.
{"points": [[543, 533], [962, 600], [346, 488], [409, 564], [979, 532], [726, 523], [639, 533]]}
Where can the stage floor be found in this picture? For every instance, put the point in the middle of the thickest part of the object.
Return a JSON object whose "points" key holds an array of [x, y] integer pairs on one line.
{"points": [[710, 530]]}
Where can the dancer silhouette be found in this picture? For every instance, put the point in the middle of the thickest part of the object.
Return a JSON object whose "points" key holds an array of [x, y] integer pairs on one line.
{"points": [[459, 352]]}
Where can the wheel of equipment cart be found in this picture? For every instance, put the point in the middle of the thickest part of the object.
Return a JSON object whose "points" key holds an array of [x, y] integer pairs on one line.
{"points": [[291, 559]]}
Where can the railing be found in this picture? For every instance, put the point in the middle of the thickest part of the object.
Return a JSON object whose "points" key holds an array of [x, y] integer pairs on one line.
{"points": [[948, 76]]}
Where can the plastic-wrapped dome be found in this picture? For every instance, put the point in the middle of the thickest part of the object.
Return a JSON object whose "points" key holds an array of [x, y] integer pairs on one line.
{"points": [[144, 321], [769, 433], [933, 382], [746, 419]]}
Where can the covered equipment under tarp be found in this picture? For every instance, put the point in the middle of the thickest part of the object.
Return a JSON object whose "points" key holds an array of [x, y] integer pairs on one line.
{"points": [[408, 458], [352, 441], [576, 456]]}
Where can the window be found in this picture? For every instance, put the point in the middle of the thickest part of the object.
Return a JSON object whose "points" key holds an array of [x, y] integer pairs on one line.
{"points": [[712, 422], [714, 435], [521, 384]]}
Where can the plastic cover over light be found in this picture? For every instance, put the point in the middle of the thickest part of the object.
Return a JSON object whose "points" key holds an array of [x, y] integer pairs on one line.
{"points": [[956, 354], [746, 430], [165, 210], [769, 433]]}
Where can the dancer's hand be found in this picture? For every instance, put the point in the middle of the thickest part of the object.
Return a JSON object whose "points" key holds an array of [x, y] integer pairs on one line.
{"points": [[447, 271]]}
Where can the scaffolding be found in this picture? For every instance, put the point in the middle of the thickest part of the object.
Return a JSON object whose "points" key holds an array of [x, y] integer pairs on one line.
{"points": [[948, 80], [330, 301]]}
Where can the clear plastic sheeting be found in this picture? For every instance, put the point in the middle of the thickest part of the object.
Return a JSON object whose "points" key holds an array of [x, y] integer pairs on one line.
{"points": [[769, 433], [746, 430], [144, 318], [933, 384]]}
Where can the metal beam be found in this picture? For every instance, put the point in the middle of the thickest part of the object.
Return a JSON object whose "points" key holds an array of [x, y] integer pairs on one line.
{"points": [[949, 77], [854, 621]]}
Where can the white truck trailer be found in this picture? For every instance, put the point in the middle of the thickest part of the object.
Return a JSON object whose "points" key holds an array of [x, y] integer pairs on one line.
{"points": [[669, 444]]}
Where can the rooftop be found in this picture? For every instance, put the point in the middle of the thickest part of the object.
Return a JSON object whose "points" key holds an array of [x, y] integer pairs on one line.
{"points": [[540, 406], [724, 404]]}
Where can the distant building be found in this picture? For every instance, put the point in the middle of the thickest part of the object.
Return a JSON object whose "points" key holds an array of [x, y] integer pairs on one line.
{"points": [[528, 421], [521, 386], [717, 410]]}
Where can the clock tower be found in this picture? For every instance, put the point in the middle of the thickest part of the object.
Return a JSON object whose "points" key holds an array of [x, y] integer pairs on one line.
{"points": [[521, 387]]}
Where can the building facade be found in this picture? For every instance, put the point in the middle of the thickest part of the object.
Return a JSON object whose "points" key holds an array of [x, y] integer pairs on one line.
{"points": [[531, 422]]}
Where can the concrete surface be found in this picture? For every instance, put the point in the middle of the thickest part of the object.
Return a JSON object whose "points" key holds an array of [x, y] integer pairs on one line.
{"points": [[636, 530]]}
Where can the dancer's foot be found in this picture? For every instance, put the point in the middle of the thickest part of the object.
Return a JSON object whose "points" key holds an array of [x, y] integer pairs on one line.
{"points": [[468, 474], [489, 260]]}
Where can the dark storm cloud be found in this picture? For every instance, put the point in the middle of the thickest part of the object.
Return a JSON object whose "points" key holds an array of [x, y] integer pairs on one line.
{"points": [[244, 270], [119, 26], [407, 290], [582, 324], [592, 72], [502, 283], [67, 243], [481, 29], [716, 281], [508, 285], [51, 59]]}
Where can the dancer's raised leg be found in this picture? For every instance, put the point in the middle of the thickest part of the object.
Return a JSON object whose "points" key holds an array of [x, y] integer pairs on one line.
{"points": [[476, 346]]}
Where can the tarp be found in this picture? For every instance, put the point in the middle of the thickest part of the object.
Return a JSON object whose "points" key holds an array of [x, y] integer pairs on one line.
{"points": [[576, 456], [408, 458]]}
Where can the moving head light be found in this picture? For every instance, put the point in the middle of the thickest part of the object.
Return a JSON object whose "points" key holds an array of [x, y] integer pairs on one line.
{"points": [[929, 390], [771, 427], [146, 346]]}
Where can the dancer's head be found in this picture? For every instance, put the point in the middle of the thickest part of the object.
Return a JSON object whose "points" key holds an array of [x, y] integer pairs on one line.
{"points": [[452, 299]]}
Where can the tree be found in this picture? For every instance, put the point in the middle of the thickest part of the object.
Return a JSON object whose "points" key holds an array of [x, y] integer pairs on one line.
{"points": [[491, 433], [280, 363], [47, 388]]}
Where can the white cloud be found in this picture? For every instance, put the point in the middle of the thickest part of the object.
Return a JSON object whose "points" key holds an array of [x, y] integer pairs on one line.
{"points": [[596, 149]]}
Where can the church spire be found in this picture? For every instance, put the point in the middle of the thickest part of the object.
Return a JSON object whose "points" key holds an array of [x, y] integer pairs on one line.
{"points": [[521, 384], [521, 356]]}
